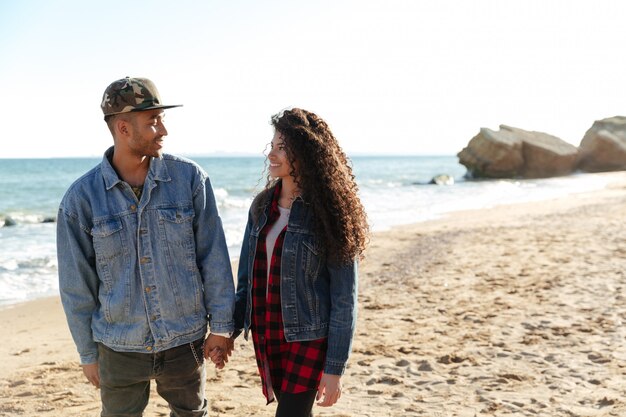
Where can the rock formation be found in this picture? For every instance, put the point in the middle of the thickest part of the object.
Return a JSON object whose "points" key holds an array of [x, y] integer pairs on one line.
{"points": [[493, 155], [512, 152], [603, 148]]}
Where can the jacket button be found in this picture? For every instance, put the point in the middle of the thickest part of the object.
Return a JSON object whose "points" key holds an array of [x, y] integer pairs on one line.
{"points": [[144, 260], [133, 207], [148, 289], [149, 348]]}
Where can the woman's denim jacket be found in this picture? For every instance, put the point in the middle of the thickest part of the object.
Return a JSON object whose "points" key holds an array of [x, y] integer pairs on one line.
{"points": [[147, 275], [318, 299]]}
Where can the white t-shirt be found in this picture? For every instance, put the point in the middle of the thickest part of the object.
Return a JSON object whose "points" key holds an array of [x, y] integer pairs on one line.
{"points": [[272, 234]]}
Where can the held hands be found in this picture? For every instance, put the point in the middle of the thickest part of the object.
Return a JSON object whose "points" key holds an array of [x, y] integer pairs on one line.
{"points": [[218, 349], [329, 389], [92, 374]]}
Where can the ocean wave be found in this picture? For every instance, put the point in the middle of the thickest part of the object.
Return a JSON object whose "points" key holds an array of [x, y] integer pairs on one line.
{"points": [[378, 182], [9, 265], [235, 203], [225, 200], [46, 263], [12, 218], [220, 193], [30, 289], [26, 279]]}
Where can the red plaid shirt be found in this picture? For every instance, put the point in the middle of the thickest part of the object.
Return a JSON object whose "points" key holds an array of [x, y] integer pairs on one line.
{"points": [[294, 367]]}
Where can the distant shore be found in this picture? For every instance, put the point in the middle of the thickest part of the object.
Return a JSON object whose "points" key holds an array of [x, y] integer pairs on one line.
{"points": [[512, 310]]}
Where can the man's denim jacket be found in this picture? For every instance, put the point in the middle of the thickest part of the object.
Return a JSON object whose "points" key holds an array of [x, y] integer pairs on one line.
{"points": [[318, 299], [147, 275]]}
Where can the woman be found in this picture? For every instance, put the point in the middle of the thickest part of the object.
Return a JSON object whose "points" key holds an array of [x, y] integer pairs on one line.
{"points": [[297, 279]]}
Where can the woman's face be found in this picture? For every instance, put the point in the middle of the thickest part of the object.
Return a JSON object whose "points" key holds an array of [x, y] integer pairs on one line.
{"points": [[279, 163]]}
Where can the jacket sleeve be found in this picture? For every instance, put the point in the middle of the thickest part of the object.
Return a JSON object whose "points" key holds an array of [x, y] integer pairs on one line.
{"points": [[343, 312], [243, 274], [78, 282], [213, 260]]}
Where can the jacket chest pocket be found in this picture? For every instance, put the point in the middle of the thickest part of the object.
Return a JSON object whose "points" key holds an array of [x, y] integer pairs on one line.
{"points": [[311, 256], [176, 227], [108, 240], [176, 220]]}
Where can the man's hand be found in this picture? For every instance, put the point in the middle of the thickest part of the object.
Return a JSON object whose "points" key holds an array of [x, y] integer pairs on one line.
{"points": [[220, 344], [329, 389], [230, 346], [218, 356], [92, 374]]}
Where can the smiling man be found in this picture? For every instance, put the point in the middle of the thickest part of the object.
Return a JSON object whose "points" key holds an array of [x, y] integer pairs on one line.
{"points": [[143, 263]]}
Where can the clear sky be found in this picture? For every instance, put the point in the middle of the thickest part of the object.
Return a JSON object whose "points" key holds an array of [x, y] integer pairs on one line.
{"points": [[390, 76]]}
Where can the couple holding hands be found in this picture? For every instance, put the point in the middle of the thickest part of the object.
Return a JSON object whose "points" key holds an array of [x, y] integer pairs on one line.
{"points": [[144, 267]]}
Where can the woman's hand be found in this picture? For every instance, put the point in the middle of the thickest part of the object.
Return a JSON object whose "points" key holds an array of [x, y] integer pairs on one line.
{"points": [[219, 356], [329, 389]]}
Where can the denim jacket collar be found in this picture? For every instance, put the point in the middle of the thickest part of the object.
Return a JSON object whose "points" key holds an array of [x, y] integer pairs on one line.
{"points": [[158, 170], [299, 210]]}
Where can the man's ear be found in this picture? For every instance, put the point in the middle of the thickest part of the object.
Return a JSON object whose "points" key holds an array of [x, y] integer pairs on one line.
{"points": [[122, 126]]}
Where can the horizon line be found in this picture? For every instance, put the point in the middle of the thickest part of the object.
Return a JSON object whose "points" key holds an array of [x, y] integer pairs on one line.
{"points": [[234, 155]]}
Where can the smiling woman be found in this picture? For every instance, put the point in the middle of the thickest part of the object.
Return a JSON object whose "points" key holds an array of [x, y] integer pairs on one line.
{"points": [[279, 165], [309, 218]]}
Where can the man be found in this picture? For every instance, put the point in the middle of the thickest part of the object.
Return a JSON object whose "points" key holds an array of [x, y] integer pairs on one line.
{"points": [[143, 263]]}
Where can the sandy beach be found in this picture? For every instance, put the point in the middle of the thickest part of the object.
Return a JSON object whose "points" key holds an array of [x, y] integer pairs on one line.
{"points": [[514, 310]]}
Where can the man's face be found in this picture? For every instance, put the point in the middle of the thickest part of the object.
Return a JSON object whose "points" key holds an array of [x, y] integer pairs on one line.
{"points": [[148, 131]]}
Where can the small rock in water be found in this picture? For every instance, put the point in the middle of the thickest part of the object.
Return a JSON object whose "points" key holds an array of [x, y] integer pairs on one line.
{"points": [[442, 179], [8, 221]]}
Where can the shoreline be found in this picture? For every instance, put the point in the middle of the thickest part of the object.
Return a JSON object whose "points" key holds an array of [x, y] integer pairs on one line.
{"points": [[510, 310]]}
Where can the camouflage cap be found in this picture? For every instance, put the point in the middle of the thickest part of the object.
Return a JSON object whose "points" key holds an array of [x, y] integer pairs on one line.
{"points": [[131, 94]]}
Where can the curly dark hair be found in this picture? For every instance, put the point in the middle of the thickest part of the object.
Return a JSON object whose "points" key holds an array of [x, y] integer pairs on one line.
{"points": [[324, 176]]}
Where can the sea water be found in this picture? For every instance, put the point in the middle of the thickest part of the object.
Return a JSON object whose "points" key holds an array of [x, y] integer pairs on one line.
{"points": [[394, 191]]}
